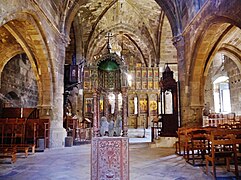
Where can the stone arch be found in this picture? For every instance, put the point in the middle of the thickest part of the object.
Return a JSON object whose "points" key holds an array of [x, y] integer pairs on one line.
{"points": [[232, 52], [208, 42], [8, 53], [12, 95], [71, 15], [13, 98], [26, 28], [171, 12], [111, 56], [9, 99]]}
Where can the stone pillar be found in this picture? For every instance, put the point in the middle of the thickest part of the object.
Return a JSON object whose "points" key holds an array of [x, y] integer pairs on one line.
{"points": [[106, 106], [54, 88], [158, 101], [138, 110], [178, 42], [98, 111], [148, 112], [124, 104], [95, 121], [56, 131], [116, 105]]}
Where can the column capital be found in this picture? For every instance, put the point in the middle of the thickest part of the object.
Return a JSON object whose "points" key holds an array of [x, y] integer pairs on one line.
{"points": [[178, 40], [45, 110]]}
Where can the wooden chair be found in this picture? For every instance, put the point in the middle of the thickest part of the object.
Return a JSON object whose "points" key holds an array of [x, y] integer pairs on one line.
{"points": [[198, 145], [8, 152], [180, 143], [236, 125], [223, 146], [224, 126], [231, 118]]}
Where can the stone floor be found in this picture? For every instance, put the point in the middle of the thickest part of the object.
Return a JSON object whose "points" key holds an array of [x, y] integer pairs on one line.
{"points": [[73, 163]]}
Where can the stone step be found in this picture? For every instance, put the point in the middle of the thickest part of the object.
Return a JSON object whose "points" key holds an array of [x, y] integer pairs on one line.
{"points": [[138, 133], [139, 145], [164, 142]]}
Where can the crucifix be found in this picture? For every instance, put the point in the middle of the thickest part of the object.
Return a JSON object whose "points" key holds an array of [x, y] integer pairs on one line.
{"points": [[109, 35]]}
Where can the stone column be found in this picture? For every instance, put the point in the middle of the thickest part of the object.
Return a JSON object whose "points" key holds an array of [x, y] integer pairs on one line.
{"points": [[116, 105], [98, 111], [106, 106], [158, 100], [95, 121], [178, 42], [55, 132], [148, 112], [124, 104], [53, 103], [138, 110]]}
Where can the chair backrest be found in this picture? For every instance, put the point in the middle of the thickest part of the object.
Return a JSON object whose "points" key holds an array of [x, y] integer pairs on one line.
{"points": [[225, 137], [225, 126], [222, 142], [236, 126]]}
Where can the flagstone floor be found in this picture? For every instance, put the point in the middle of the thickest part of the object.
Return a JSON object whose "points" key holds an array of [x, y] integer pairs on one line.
{"points": [[73, 163]]}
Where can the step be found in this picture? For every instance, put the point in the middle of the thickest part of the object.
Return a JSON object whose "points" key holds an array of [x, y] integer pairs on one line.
{"points": [[164, 142], [139, 145]]}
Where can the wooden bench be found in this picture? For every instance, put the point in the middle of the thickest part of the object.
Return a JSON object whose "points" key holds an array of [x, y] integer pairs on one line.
{"points": [[8, 152], [38, 129], [26, 148], [21, 148]]}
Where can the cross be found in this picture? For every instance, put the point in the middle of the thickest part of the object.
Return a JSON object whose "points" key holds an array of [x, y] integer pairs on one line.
{"points": [[109, 35]]}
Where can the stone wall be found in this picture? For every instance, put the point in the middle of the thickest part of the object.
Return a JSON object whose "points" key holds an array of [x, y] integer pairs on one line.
{"points": [[202, 37], [18, 78], [234, 75], [70, 49], [168, 53], [214, 72], [188, 9], [229, 69]]}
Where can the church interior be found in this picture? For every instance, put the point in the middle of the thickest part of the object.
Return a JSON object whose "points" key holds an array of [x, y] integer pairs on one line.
{"points": [[103, 77]]}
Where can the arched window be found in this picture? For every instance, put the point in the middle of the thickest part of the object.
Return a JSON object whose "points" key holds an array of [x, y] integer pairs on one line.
{"points": [[221, 94]]}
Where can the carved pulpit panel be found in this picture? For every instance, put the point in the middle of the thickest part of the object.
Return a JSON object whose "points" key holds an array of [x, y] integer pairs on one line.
{"points": [[110, 158]]}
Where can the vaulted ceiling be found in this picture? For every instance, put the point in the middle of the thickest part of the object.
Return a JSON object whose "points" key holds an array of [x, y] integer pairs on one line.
{"points": [[135, 28]]}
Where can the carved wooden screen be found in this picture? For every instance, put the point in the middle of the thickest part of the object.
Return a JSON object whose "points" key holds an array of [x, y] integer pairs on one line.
{"points": [[109, 80], [109, 75], [169, 104]]}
